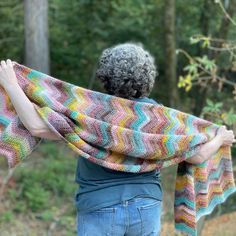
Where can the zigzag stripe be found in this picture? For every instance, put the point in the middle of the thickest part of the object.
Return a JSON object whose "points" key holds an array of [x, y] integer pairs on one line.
{"points": [[201, 183], [123, 135]]}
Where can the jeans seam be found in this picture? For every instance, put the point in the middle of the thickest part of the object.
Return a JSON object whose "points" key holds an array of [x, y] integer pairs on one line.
{"points": [[150, 205], [83, 225], [140, 215], [105, 210], [113, 221], [125, 208]]}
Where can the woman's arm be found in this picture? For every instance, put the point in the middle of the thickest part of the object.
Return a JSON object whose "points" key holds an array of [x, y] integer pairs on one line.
{"points": [[23, 106], [223, 137]]}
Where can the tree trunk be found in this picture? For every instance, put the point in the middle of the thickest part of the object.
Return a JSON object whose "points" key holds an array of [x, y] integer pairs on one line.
{"points": [[170, 53], [36, 35], [200, 93]]}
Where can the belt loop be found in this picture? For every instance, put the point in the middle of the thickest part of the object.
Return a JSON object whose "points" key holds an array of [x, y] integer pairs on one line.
{"points": [[125, 203]]}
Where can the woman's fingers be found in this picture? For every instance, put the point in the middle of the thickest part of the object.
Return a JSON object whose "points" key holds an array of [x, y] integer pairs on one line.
{"points": [[9, 62], [3, 64], [224, 127], [230, 142]]}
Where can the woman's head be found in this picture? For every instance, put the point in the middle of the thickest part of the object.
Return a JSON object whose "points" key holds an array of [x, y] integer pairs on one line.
{"points": [[127, 70]]}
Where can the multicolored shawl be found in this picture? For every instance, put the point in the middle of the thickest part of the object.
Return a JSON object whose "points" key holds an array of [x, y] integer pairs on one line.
{"points": [[124, 135]]}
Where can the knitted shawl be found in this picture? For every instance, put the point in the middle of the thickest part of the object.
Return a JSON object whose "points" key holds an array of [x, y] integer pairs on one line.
{"points": [[124, 135]]}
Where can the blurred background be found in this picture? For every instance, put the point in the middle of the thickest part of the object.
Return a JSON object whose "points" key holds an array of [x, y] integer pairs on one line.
{"points": [[194, 45]]}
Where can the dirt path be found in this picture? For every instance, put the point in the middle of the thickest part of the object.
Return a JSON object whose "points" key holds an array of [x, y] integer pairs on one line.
{"points": [[224, 225]]}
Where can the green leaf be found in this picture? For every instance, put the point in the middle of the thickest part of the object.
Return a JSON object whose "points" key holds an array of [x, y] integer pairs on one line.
{"points": [[194, 40], [209, 102], [219, 105], [207, 63], [230, 117], [206, 42], [192, 68]]}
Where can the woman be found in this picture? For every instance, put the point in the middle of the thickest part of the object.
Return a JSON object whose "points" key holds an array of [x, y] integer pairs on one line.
{"points": [[112, 202]]}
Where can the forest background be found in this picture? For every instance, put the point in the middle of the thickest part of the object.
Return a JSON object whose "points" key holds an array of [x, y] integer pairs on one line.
{"points": [[194, 46]]}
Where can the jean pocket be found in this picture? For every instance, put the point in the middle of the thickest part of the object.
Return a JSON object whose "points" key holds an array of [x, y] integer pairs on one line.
{"points": [[150, 216], [98, 222]]}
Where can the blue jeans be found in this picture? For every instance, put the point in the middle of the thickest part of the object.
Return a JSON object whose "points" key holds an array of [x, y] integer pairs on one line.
{"points": [[140, 216]]}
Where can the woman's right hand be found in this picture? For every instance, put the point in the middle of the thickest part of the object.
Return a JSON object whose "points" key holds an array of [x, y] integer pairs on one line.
{"points": [[227, 136], [207, 150]]}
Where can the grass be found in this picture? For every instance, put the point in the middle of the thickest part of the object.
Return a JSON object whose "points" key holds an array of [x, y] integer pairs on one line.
{"points": [[42, 194]]}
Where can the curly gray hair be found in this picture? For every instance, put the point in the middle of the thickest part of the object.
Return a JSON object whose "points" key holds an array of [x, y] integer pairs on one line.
{"points": [[127, 70]]}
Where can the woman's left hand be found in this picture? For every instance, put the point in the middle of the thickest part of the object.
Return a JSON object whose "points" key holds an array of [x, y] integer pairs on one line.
{"points": [[7, 74]]}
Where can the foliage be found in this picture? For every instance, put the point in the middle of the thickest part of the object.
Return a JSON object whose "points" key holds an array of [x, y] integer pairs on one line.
{"points": [[44, 189], [216, 113], [53, 178], [206, 72], [80, 30], [11, 29], [36, 196], [203, 71], [198, 69], [6, 217]]}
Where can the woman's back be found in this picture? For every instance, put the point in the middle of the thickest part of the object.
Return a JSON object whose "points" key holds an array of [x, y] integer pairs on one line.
{"points": [[101, 187]]}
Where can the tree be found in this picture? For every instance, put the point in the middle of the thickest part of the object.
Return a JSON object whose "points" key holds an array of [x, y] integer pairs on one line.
{"points": [[170, 52], [204, 27], [36, 34]]}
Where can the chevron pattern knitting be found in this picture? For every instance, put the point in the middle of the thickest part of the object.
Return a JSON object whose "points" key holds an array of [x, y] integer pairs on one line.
{"points": [[124, 135]]}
